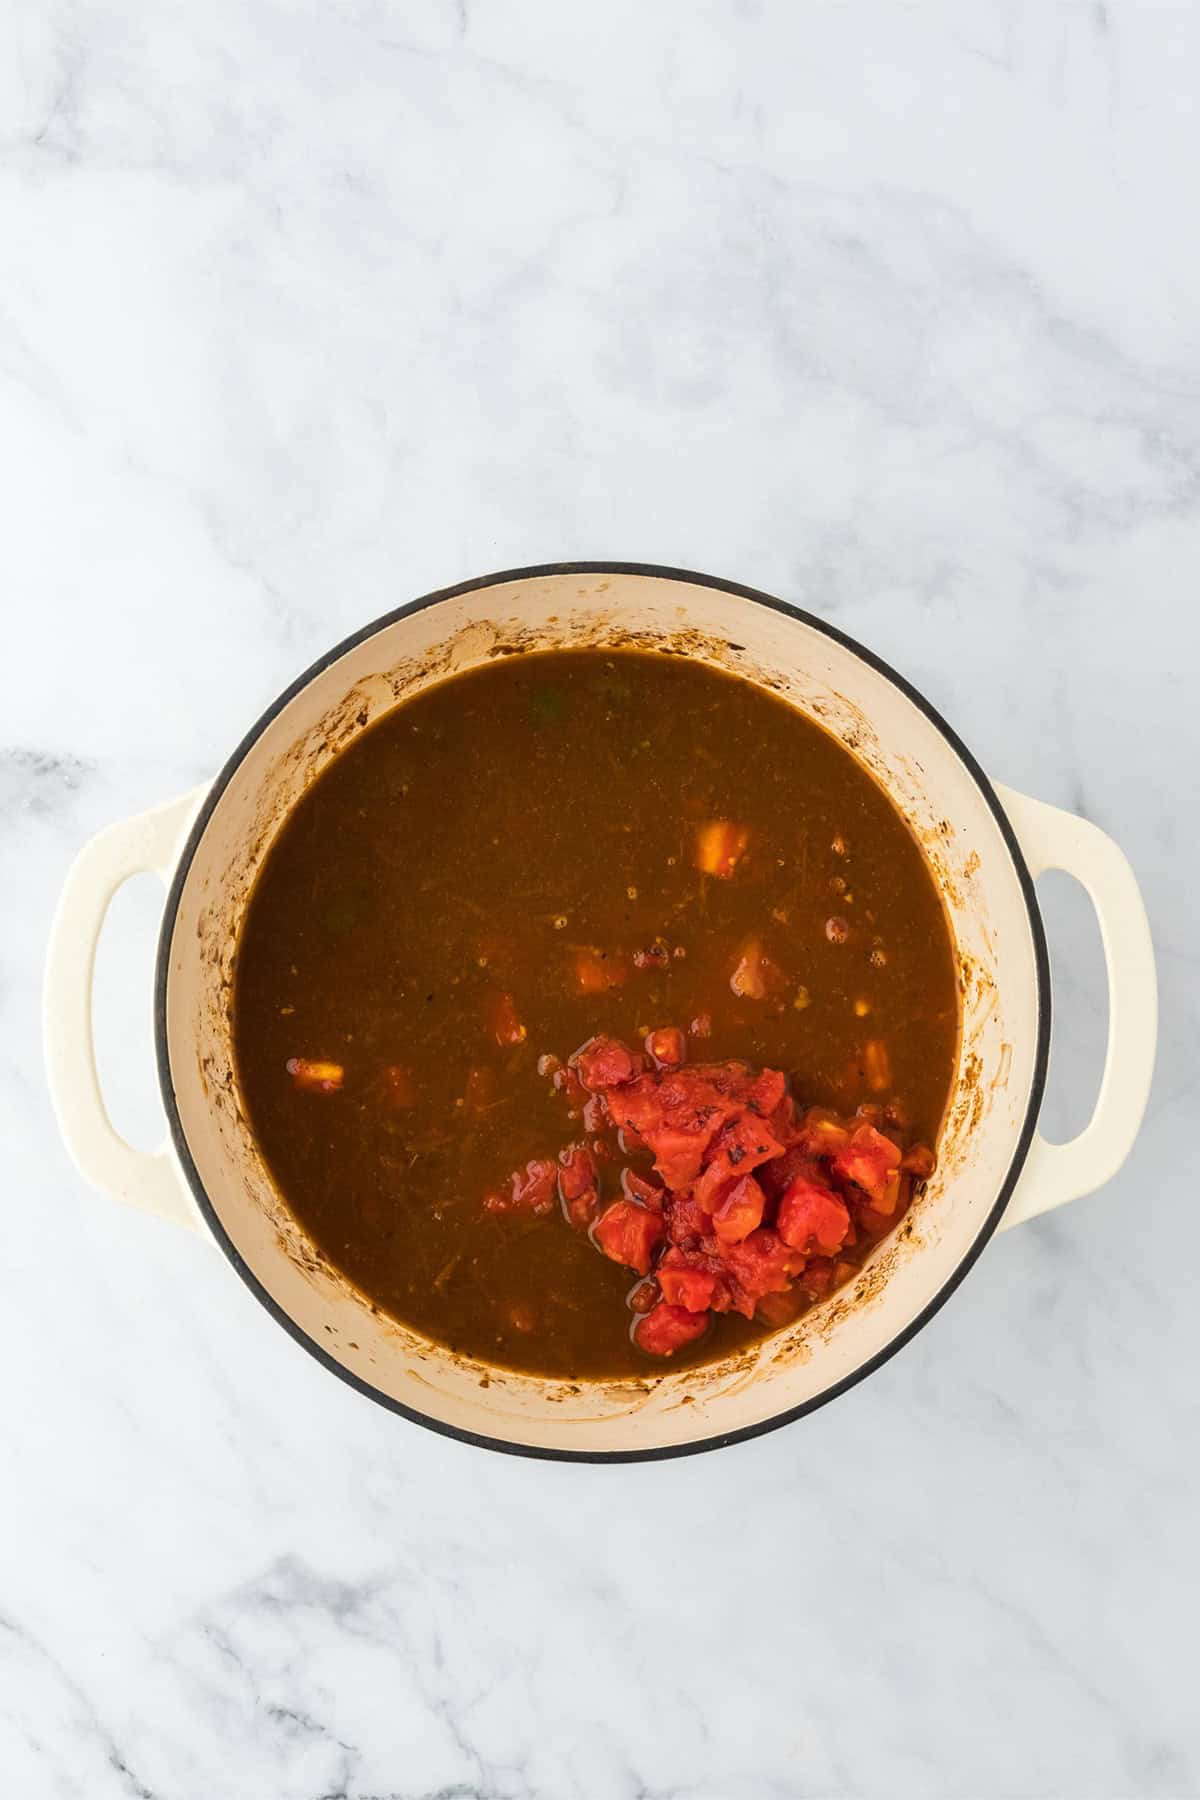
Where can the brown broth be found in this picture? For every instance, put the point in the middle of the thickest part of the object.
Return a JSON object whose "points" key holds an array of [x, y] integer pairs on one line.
{"points": [[479, 839]]}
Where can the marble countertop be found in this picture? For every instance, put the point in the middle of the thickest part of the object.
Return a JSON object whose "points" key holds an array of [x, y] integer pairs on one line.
{"points": [[892, 309]]}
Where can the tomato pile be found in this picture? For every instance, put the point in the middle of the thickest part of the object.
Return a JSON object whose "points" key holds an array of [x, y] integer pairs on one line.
{"points": [[741, 1202]]}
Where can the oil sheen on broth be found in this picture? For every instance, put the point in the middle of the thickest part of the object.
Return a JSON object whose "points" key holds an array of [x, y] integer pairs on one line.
{"points": [[519, 859]]}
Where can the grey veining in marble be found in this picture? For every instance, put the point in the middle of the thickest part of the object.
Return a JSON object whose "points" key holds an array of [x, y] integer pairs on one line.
{"points": [[893, 309]]}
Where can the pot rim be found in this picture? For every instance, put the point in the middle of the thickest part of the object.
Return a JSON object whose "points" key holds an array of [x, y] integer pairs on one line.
{"points": [[208, 1211]]}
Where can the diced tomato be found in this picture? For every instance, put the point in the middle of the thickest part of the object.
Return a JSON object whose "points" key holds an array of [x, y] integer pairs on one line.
{"points": [[775, 1175], [678, 1154], [783, 1120], [687, 1223], [918, 1162], [702, 1255], [636, 1188], [676, 1115], [577, 1171], [604, 1062], [597, 970], [740, 1212], [739, 1149], [594, 1113], [531, 1189], [315, 1077], [712, 1186], [729, 1081], [701, 1026], [567, 1083], [535, 1187], [628, 1234], [398, 1085], [867, 1161], [667, 1046], [766, 1092], [811, 1218], [691, 1288], [577, 1185], [503, 1020], [637, 1105], [755, 976], [668, 1328], [727, 1147], [703, 1089], [720, 846], [580, 1212], [760, 1264]]}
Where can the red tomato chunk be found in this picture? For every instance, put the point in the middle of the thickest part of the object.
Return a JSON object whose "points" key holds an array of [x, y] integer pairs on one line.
{"points": [[767, 1092], [635, 1187], [740, 1148], [810, 1217], [691, 1288], [867, 1160], [577, 1185], [740, 1212], [687, 1223], [604, 1063], [530, 1189], [629, 1234], [761, 1264], [668, 1328]]}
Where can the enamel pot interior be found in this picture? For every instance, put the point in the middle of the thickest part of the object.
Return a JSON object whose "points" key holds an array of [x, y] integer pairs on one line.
{"points": [[949, 808]]}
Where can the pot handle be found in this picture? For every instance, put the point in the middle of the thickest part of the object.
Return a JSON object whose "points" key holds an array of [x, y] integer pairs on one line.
{"points": [[1055, 1173], [147, 1179]]}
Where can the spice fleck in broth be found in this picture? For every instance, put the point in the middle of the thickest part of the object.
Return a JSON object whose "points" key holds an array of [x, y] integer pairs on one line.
{"points": [[595, 1007]]}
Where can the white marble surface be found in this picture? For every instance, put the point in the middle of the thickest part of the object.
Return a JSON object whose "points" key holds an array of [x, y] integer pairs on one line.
{"points": [[893, 309]]}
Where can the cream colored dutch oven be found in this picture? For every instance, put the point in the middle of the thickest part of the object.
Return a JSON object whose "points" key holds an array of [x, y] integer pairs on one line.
{"points": [[984, 843]]}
